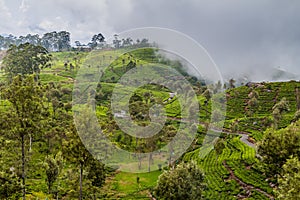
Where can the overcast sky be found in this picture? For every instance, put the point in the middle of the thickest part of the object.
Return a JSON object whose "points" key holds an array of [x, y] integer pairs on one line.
{"points": [[239, 35]]}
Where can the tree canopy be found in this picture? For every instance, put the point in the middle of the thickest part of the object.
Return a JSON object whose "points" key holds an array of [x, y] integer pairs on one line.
{"points": [[25, 59], [183, 182], [289, 187], [278, 146]]}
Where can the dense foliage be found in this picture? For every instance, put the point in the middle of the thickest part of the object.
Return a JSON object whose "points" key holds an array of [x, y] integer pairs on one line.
{"points": [[183, 182], [25, 59]]}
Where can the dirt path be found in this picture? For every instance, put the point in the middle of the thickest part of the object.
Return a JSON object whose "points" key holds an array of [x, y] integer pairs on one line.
{"points": [[246, 186], [244, 136], [245, 139]]}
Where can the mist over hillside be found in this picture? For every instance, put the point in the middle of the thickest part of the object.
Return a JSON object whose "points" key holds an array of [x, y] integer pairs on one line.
{"points": [[260, 74]]}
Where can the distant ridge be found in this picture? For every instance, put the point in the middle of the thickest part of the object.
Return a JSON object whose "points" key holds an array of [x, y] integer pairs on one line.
{"points": [[279, 74]]}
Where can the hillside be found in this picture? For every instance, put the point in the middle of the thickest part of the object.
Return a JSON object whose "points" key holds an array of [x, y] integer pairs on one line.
{"points": [[233, 173], [268, 95]]}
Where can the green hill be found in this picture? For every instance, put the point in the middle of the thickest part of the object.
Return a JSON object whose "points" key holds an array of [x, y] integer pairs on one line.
{"points": [[232, 174]]}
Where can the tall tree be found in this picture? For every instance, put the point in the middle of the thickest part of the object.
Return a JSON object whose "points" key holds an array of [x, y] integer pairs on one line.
{"points": [[252, 103], [183, 182], [25, 59], [207, 96], [96, 175], [32, 39], [76, 153], [63, 40], [53, 166], [50, 41], [47, 41], [97, 40], [27, 113], [116, 41], [278, 109], [231, 83]]}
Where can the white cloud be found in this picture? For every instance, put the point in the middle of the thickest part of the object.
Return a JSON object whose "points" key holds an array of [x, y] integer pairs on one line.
{"points": [[24, 6], [5, 16], [56, 23], [238, 35], [81, 18]]}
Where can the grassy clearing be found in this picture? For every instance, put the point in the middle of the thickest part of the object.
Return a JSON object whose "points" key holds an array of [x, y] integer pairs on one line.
{"points": [[124, 185]]}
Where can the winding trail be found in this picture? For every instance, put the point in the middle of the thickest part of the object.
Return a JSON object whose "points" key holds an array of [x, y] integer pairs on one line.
{"points": [[244, 136]]}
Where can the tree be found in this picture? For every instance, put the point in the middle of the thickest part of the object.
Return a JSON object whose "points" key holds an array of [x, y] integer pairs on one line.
{"points": [[56, 41], [32, 39], [183, 182], [217, 87], [25, 59], [278, 109], [252, 103], [76, 153], [289, 187], [63, 40], [296, 116], [207, 96], [127, 42], [97, 40], [219, 147], [116, 41], [10, 185], [77, 43], [235, 126], [96, 175], [51, 41], [298, 98], [144, 43], [278, 146], [27, 113], [231, 83], [47, 41], [53, 167], [74, 149]]}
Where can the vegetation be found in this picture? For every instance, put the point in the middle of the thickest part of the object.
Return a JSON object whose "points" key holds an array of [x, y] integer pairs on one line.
{"points": [[289, 182], [25, 59], [278, 146], [43, 157], [183, 182]]}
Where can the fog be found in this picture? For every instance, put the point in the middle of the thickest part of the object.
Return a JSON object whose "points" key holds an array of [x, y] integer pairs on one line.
{"points": [[244, 38]]}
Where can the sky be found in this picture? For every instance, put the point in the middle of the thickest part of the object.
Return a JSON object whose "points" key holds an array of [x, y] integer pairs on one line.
{"points": [[241, 36]]}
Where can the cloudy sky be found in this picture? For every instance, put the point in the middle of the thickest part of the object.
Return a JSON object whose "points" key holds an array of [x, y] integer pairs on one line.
{"points": [[241, 36]]}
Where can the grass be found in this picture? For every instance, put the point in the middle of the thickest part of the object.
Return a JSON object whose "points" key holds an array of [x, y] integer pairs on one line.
{"points": [[46, 78], [239, 157], [124, 185]]}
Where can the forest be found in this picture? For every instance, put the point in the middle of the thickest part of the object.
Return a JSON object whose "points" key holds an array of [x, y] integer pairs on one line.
{"points": [[54, 97]]}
